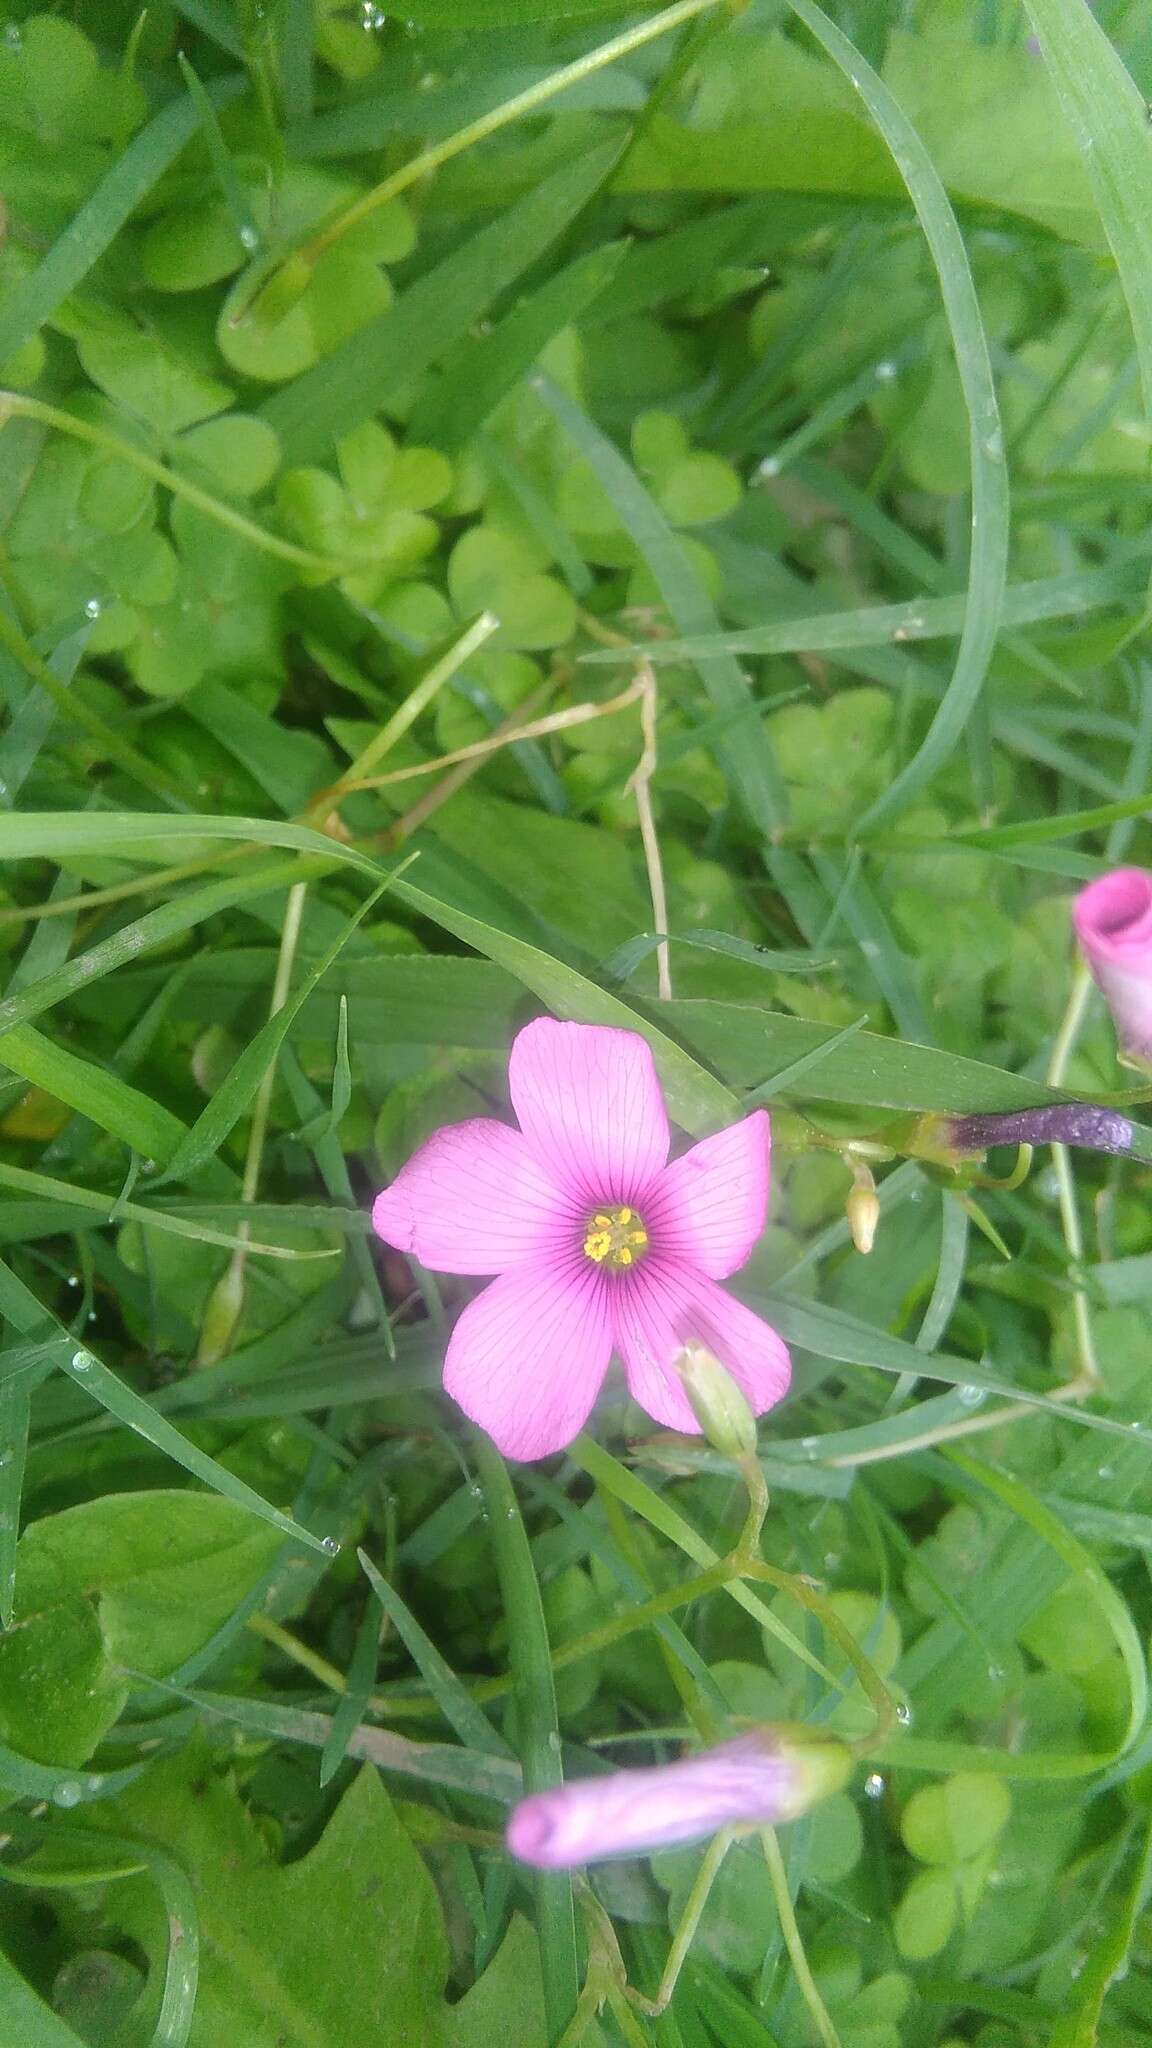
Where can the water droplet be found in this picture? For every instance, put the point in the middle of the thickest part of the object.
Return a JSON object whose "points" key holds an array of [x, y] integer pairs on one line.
{"points": [[68, 1794], [330, 1545], [994, 445], [886, 372], [769, 467], [1104, 1471], [73, 1280], [372, 18], [93, 608], [904, 1713], [81, 1361], [831, 1560], [874, 1786], [997, 1674], [13, 37], [554, 1740], [95, 1784], [810, 1445], [249, 237], [971, 1397]]}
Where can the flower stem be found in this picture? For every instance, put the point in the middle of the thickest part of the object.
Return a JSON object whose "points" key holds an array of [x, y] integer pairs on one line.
{"points": [[1088, 1379], [537, 1735], [793, 1941], [682, 1940]]}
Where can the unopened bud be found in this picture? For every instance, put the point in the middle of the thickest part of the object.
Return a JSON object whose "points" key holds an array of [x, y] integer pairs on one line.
{"points": [[717, 1402], [863, 1209], [768, 1774], [225, 1305]]}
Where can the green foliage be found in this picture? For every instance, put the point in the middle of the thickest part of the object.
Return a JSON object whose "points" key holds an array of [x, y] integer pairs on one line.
{"points": [[374, 381]]}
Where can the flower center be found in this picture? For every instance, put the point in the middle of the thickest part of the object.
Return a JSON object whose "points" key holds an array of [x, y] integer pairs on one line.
{"points": [[615, 1238]]}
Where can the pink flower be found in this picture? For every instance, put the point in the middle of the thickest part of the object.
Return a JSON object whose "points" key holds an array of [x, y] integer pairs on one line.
{"points": [[1113, 920], [756, 1780], [597, 1243]]}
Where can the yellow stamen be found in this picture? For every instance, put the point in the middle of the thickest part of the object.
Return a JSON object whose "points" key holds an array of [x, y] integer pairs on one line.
{"points": [[615, 1237]]}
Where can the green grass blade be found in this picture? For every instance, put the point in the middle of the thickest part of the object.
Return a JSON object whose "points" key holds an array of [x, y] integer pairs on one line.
{"points": [[744, 748], [239, 1086], [24, 2017], [28, 1315], [1110, 118], [359, 376], [537, 1733], [1094, 1584], [36, 297], [455, 1702], [479, 374], [54, 835], [156, 928], [988, 565], [33, 720], [926, 618], [112, 1208], [695, 1098], [110, 1103], [129, 1408], [353, 1708]]}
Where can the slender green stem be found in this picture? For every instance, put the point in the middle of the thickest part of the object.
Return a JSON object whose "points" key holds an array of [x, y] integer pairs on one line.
{"points": [[685, 1933], [537, 1734], [274, 291], [793, 1941], [409, 711], [227, 1299], [1088, 1377], [18, 405]]}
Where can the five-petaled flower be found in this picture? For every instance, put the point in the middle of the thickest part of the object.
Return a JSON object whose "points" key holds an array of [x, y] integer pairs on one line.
{"points": [[759, 1778], [1113, 920], [598, 1244]]}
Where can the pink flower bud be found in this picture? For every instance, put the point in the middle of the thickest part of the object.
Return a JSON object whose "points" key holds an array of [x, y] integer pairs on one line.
{"points": [[770, 1774], [1113, 920]]}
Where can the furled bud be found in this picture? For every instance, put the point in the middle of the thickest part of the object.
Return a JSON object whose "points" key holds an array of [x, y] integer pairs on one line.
{"points": [[863, 1210], [771, 1774], [717, 1402], [1057, 1123]]}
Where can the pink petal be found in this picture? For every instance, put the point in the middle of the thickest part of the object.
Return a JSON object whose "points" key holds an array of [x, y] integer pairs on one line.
{"points": [[708, 1208], [474, 1199], [658, 1308], [1113, 920], [589, 1103], [527, 1357]]}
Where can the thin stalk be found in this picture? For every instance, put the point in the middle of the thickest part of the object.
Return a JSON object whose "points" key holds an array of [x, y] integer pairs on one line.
{"points": [[280, 289], [537, 1734], [685, 1933], [405, 716], [640, 783], [793, 1941], [1088, 1379], [227, 1299], [17, 405]]}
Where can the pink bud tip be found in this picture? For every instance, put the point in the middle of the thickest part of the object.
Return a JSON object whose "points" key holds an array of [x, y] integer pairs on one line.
{"points": [[1113, 921]]}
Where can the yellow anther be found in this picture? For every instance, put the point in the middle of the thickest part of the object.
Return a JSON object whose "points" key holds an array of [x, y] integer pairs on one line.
{"points": [[615, 1238]]}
